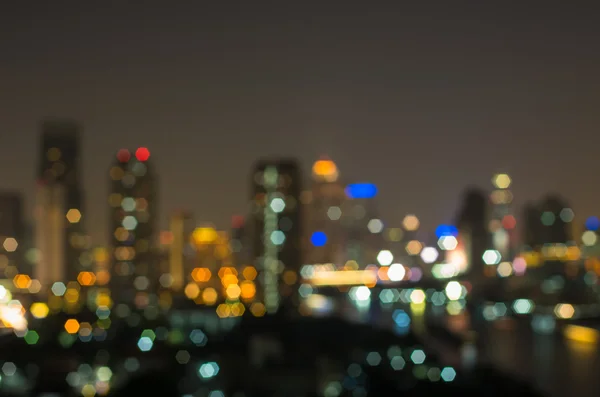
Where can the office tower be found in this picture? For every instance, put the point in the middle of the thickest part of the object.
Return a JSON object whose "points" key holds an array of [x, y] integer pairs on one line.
{"points": [[276, 229], [59, 204], [181, 253], [12, 235], [502, 222], [473, 231], [133, 213], [323, 214], [362, 227]]}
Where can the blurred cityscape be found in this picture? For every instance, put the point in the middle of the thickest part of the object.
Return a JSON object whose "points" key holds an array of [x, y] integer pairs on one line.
{"points": [[515, 291]]}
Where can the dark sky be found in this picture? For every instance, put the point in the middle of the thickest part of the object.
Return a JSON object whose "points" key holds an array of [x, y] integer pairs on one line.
{"points": [[420, 99]]}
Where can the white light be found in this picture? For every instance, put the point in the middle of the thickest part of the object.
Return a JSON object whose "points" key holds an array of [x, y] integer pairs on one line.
{"points": [[589, 238], [417, 296], [453, 290], [396, 272], [491, 257], [429, 254], [447, 243], [277, 204], [385, 258], [334, 213], [504, 269], [375, 226], [362, 293]]}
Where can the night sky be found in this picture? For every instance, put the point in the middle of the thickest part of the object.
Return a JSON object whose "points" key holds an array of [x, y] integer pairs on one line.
{"points": [[422, 101]]}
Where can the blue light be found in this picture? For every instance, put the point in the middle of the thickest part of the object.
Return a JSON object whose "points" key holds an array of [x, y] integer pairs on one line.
{"points": [[361, 191], [592, 223], [401, 318], [446, 230], [318, 239]]}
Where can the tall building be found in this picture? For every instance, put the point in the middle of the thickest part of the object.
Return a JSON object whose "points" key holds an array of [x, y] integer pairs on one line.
{"points": [[59, 204], [474, 235], [133, 214], [12, 235], [276, 230], [502, 221], [181, 260], [326, 233]]}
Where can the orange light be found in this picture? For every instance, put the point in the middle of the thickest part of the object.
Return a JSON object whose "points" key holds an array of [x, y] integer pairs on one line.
{"points": [[201, 274], [325, 169], [248, 289], [72, 326], [345, 277], [22, 281], [86, 278], [249, 273]]}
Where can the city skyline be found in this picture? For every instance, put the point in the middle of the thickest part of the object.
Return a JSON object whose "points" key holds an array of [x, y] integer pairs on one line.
{"points": [[393, 97]]}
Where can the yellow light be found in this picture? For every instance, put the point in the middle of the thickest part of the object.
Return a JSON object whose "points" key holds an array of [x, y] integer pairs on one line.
{"points": [[233, 291], [326, 170], [71, 295], [581, 334], [72, 326], [204, 235], [237, 309], [192, 291], [501, 181], [345, 277], [73, 215], [39, 310], [209, 296], [223, 310]]}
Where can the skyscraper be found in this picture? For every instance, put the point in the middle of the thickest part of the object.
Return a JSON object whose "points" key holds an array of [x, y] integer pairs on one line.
{"points": [[133, 213], [12, 233], [276, 231], [502, 222], [59, 204], [473, 229], [323, 213], [181, 263]]}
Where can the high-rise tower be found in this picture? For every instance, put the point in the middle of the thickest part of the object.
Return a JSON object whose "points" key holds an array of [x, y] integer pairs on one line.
{"points": [[133, 214], [59, 204], [276, 229]]}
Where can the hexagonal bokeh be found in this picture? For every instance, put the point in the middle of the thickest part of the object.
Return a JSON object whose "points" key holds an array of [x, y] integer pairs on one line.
{"points": [[208, 370], [413, 247], [334, 213], [277, 237], [73, 215], [10, 244], [448, 374], [418, 356], [491, 257], [277, 204], [129, 222], [375, 226], [396, 272], [198, 337], [501, 181], [429, 254], [373, 359], [58, 288], [385, 257], [447, 243], [411, 223]]}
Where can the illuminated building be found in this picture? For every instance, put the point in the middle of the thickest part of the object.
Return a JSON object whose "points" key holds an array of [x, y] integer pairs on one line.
{"points": [[323, 213], [59, 204], [502, 222], [276, 228], [181, 253], [133, 210], [12, 233], [240, 246], [362, 228], [548, 222]]}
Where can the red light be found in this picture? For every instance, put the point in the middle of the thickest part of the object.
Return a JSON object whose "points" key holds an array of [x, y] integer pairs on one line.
{"points": [[123, 155], [142, 154], [237, 221], [509, 222]]}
